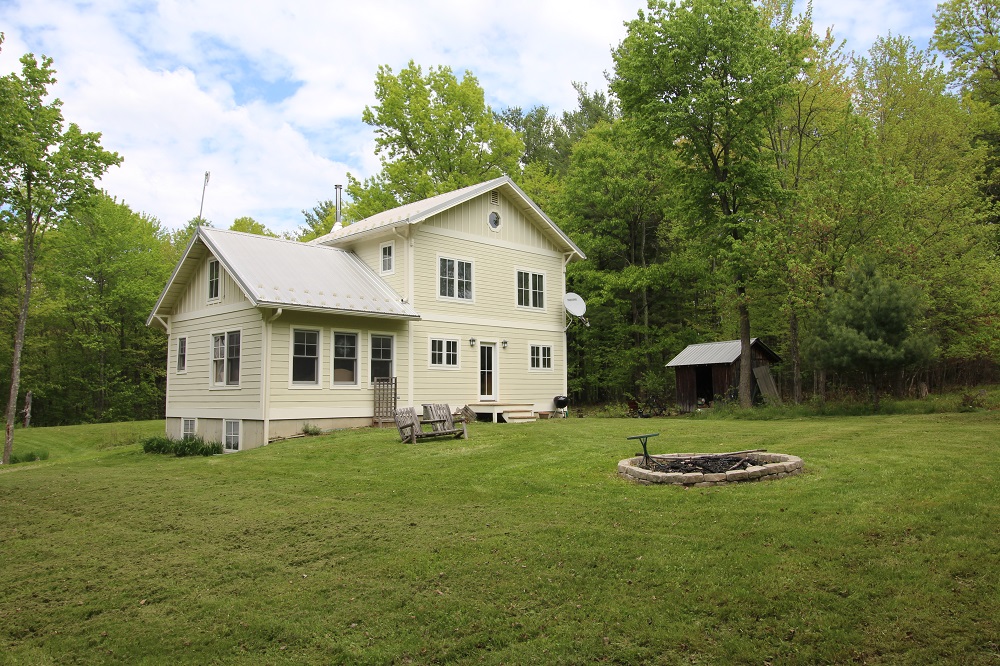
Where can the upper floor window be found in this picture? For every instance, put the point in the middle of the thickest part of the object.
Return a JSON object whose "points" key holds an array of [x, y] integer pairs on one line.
{"points": [[226, 359], [182, 344], [345, 358], [387, 258], [213, 279], [455, 279], [530, 290], [444, 353], [381, 356], [305, 357]]}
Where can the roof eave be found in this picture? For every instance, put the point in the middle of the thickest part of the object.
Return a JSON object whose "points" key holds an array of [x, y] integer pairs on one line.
{"points": [[341, 311]]}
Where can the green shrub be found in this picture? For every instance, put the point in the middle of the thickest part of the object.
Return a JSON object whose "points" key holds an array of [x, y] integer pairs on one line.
{"points": [[28, 456], [311, 430], [190, 446], [972, 402]]}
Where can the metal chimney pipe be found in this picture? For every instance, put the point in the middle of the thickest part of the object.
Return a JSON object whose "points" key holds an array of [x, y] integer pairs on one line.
{"points": [[338, 205]]}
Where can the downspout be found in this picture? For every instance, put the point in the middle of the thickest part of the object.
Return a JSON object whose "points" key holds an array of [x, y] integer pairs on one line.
{"points": [[165, 323], [265, 369], [565, 351]]}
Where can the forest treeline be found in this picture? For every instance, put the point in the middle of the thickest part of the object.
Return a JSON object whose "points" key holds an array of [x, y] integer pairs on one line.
{"points": [[744, 174]]}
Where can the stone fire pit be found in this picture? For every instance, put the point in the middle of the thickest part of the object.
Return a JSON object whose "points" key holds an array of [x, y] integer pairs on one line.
{"points": [[702, 470]]}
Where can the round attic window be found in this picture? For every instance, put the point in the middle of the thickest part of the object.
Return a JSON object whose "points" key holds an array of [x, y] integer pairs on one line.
{"points": [[494, 221]]}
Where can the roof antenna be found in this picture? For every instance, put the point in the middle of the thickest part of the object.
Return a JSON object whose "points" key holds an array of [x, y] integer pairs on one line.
{"points": [[338, 225], [202, 206]]}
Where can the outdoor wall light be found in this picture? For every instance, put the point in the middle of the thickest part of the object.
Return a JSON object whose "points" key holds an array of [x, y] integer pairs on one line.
{"points": [[472, 342], [503, 343]]}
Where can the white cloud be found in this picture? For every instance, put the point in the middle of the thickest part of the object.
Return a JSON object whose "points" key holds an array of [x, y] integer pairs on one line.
{"points": [[268, 96]]}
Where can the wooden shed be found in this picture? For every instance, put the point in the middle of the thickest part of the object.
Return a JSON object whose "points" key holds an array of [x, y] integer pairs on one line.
{"points": [[711, 370]]}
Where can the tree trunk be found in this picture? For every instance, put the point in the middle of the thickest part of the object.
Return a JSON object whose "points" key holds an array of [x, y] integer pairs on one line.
{"points": [[746, 362], [27, 410], [793, 342], [15, 365]]}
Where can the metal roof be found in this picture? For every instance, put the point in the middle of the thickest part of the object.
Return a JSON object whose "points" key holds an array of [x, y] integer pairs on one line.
{"points": [[274, 272], [419, 211], [710, 353]]}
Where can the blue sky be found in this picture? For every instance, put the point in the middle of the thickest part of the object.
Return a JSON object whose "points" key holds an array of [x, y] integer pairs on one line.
{"points": [[268, 96]]}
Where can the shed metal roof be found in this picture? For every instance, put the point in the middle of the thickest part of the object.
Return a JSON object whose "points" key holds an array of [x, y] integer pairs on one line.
{"points": [[711, 353], [274, 272], [419, 211]]}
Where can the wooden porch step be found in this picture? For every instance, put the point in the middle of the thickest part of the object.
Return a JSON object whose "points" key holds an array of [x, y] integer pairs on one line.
{"points": [[518, 416]]}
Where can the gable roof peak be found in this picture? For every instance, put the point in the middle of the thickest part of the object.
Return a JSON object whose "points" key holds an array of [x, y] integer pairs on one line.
{"points": [[418, 211]]}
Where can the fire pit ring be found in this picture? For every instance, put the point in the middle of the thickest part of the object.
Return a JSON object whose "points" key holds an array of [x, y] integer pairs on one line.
{"points": [[764, 467]]}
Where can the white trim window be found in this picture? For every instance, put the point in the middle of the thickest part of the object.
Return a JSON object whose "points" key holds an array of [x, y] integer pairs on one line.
{"points": [[189, 428], [381, 356], [306, 344], [541, 357], [182, 344], [232, 438], [214, 280], [444, 353], [387, 258], [226, 359], [531, 290], [454, 279], [345, 359]]}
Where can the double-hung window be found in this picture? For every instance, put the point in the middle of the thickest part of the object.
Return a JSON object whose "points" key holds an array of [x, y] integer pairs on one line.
{"points": [[541, 357], [455, 279], [386, 259], [381, 356], [213, 280], [305, 357], [345, 359], [182, 345], [226, 359], [444, 353], [530, 290], [188, 428]]}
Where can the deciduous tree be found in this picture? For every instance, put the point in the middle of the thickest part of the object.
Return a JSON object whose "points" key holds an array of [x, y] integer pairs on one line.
{"points": [[46, 170], [707, 77], [434, 133]]}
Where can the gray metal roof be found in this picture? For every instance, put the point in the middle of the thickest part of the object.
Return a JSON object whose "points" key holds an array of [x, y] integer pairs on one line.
{"points": [[419, 211], [710, 353], [274, 272]]}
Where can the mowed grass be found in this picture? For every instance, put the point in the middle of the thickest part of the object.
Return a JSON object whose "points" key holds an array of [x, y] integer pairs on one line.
{"points": [[518, 546]]}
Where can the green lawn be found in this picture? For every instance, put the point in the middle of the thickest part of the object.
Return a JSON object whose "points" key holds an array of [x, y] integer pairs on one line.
{"points": [[517, 546]]}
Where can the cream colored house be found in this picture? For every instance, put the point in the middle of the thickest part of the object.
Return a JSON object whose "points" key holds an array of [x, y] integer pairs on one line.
{"points": [[459, 297]]}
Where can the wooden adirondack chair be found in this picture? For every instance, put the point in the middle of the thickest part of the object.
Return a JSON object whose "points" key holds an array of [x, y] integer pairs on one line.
{"points": [[441, 423]]}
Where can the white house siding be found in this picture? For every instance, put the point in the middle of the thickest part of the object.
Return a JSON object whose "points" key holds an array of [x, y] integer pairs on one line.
{"points": [[325, 402], [493, 315], [190, 393], [370, 252]]}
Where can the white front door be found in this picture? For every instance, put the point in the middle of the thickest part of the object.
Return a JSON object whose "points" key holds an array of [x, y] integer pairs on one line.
{"points": [[487, 371]]}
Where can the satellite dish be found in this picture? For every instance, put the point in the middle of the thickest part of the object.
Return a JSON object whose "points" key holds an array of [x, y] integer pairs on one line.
{"points": [[574, 305]]}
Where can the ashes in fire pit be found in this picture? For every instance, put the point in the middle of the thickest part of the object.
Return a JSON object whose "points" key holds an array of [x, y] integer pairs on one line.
{"points": [[709, 469]]}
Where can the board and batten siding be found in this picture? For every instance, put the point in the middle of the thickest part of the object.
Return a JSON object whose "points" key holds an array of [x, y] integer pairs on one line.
{"points": [[195, 297], [326, 400], [470, 218]]}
